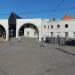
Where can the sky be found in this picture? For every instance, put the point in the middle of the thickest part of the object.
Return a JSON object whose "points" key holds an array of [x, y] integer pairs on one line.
{"points": [[37, 8]]}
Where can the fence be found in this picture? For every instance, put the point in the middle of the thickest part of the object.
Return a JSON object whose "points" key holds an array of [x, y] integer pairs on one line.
{"points": [[57, 40]]}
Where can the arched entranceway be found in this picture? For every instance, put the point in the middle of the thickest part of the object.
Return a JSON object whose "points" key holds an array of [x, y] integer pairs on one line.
{"points": [[2, 32], [29, 30]]}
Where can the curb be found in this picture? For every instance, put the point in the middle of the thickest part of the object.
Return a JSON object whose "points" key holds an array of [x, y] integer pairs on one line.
{"points": [[65, 51]]}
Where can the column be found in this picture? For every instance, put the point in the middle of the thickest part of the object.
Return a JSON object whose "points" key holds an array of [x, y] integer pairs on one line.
{"points": [[7, 33], [40, 36], [17, 29]]}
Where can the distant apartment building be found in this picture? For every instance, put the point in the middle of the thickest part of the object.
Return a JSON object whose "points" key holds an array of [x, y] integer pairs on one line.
{"points": [[63, 28]]}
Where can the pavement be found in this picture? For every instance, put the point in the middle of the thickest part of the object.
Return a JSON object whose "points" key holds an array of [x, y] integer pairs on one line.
{"points": [[2, 40], [27, 57], [67, 49]]}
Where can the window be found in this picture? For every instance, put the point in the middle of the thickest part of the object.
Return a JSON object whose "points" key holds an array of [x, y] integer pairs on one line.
{"points": [[66, 25], [28, 33], [74, 34], [51, 26], [48, 26], [44, 26], [58, 26], [35, 33], [66, 34], [51, 33]]}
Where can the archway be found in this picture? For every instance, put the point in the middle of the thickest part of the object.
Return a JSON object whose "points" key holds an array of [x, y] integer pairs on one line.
{"points": [[29, 30], [2, 32]]}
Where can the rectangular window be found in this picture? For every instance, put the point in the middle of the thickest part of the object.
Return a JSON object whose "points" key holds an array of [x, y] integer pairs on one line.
{"points": [[28, 33], [51, 26], [44, 26], [35, 33], [48, 26], [51, 33], [66, 25], [66, 34], [74, 34], [58, 26]]}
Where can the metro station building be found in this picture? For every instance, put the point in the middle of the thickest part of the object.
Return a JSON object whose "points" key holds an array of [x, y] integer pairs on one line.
{"points": [[15, 27]]}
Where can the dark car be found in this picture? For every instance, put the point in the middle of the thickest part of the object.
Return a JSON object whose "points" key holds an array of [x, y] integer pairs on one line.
{"points": [[70, 42]]}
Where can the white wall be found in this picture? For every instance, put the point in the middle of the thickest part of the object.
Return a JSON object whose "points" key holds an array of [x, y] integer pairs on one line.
{"points": [[21, 22], [4, 23], [39, 23], [45, 31], [62, 29], [31, 32]]}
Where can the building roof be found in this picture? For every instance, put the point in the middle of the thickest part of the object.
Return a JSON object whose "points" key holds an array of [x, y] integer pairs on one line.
{"points": [[13, 14], [12, 18], [67, 17]]}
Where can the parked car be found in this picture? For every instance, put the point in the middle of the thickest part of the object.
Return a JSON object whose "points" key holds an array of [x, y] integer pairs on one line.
{"points": [[70, 42]]}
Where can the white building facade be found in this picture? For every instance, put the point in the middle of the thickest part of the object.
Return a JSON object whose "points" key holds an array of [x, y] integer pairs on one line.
{"points": [[38, 28], [63, 28]]}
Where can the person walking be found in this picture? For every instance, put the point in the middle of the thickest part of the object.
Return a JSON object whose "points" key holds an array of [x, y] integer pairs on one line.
{"points": [[42, 42]]}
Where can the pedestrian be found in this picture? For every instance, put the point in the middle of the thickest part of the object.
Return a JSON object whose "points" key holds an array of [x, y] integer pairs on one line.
{"points": [[42, 42], [18, 39]]}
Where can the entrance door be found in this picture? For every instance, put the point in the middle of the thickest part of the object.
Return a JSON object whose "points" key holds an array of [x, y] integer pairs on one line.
{"points": [[58, 34], [12, 30]]}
